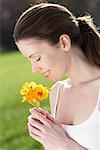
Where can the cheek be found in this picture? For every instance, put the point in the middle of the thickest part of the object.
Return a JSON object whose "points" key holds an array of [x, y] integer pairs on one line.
{"points": [[58, 70], [46, 63]]}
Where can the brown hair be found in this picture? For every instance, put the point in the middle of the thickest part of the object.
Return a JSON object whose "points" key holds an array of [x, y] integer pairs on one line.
{"points": [[49, 21]]}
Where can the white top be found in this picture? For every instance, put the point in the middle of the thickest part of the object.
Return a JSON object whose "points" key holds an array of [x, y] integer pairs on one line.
{"points": [[87, 134]]}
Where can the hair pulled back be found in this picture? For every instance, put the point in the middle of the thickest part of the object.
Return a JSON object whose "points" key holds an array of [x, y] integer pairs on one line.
{"points": [[49, 21]]}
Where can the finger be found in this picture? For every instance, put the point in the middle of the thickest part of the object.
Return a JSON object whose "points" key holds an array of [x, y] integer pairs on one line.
{"points": [[45, 114], [34, 130], [39, 110], [36, 124], [41, 117], [34, 136], [48, 116], [42, 111]]}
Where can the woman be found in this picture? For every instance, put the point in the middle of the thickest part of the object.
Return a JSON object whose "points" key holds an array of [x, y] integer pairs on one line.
{"points": [[56, 43]]}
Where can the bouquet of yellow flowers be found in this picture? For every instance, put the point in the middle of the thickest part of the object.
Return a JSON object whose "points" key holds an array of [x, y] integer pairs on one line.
{"points": [[34, 93]]}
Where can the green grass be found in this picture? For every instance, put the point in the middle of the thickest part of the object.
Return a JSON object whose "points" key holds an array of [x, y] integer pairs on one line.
{"points": [[14, 71]]}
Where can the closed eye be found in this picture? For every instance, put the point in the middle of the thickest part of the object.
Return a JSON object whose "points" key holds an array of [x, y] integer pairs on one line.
{"points": [[38, 59], [35, 58]]}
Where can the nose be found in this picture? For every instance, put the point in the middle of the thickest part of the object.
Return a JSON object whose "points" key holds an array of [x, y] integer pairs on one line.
{"points": [[36, 69]]}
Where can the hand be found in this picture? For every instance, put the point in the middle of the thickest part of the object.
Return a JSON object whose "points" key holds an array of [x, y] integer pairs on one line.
{"points": [[46, 130]]}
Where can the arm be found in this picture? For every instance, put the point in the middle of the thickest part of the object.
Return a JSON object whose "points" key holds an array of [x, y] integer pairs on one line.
{"points": [[69, 144], [73, 145]]}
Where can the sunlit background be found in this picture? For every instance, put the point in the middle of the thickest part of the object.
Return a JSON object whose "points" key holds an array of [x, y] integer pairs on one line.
{"points": [[15, 70]]}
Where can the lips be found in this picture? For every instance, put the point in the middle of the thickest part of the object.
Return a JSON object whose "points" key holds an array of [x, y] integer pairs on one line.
{"points": [[47, 73]]}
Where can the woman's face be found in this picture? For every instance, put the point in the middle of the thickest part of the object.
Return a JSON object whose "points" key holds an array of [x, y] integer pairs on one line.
{"points": [[45, 58]]}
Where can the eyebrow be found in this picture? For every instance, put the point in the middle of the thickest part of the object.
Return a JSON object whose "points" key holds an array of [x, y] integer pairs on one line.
{"points": [[30, 56]]}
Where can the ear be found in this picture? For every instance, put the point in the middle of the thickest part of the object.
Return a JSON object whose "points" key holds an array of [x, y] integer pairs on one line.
{"points": [[65, 42]]}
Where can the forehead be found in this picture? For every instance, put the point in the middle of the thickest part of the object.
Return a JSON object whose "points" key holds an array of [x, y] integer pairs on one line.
{"points": [[28, 46], [33, 46]]}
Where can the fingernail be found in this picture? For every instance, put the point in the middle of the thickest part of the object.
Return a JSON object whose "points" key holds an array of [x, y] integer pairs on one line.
{"points": [[30, 110]]}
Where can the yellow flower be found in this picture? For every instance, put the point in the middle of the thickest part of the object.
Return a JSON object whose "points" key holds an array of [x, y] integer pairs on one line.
{"points": [[33, 93]]}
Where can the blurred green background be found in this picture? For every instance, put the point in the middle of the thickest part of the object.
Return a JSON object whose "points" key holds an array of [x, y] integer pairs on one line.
{"points": [[15, 70]]}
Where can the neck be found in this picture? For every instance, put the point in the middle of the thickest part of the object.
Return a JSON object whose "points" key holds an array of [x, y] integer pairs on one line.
{"points": [[79, 70]]}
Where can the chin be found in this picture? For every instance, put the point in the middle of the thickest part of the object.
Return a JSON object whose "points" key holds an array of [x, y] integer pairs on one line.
{"points": [[54, 78]]}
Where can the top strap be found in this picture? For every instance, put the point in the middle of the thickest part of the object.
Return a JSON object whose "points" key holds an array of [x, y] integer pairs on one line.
{"points": [[56, 99], [98, 97]]}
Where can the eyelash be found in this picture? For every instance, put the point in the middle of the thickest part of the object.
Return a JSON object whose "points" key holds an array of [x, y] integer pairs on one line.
{"points": [[38, 59]]}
